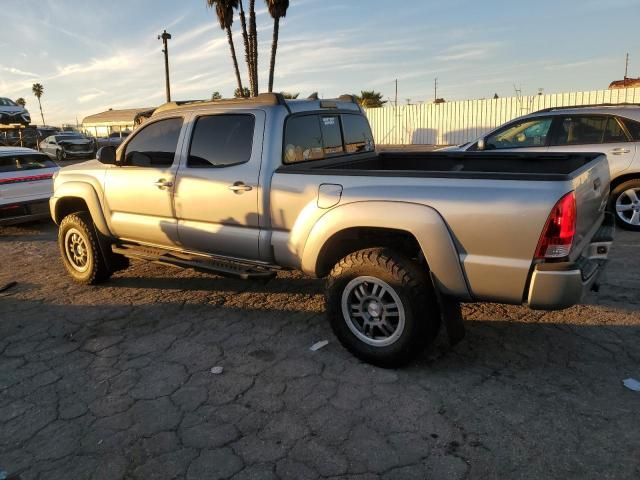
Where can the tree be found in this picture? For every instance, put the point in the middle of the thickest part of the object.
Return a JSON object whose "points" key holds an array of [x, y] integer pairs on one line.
{"points": [[370, 99], [216, 96], [248, 50], [241, 93], [253, 44], [224, 12], [277, 10], [38, 91], [290, 96], [21, 101]]}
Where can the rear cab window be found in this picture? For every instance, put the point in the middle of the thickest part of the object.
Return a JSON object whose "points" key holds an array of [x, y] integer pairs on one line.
{"points": [[316, 136]]}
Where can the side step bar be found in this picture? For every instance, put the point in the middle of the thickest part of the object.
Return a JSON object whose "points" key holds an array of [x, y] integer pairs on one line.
{"points": [[203, 263]]}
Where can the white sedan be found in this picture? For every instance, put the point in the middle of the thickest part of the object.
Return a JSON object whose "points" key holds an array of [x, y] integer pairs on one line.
{"points": [[26, 184]]}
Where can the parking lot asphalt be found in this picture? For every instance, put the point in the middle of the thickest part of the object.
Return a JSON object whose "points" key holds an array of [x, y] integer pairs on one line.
{"points": [[114, 381]]}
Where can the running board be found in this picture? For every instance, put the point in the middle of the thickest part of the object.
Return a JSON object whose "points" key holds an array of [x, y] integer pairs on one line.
{"points": [[202, 263]]}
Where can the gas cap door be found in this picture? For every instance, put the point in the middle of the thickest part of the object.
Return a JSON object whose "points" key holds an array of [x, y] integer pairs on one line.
{"points": [[329, 195]]}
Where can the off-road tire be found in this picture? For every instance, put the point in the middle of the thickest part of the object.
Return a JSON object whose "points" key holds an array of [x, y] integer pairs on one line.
{"points": [[412, 286], [619, 190], [96, 270]]}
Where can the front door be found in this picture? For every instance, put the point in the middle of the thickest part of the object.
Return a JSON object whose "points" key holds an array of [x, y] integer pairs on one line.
{"points": [[217, 189], [139, 190]]}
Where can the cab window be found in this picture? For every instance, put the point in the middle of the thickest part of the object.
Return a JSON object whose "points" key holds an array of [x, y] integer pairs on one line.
{"points": [[155, 145], [303, 139], [526, 133], [221, 141]]}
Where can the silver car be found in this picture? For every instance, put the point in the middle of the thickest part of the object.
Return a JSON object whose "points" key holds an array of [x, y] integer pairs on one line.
{"points": [[11, 113], [611, 129]]}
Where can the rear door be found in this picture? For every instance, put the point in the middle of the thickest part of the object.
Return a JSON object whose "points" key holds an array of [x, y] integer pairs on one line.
{"points": [[217, 188], [139, 190], [595, 133]]}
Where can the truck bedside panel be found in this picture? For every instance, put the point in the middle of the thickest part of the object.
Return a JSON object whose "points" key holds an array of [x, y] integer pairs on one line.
{"points": [[423, 222]]}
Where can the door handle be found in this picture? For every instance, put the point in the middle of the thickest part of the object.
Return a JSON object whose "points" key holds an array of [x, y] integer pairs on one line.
{"points": [[162, 183], [240, 187], [620, 151]]}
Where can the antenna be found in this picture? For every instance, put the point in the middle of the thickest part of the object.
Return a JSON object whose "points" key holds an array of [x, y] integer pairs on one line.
{"points": [[626, 69], [435, 89], [396, 93]]}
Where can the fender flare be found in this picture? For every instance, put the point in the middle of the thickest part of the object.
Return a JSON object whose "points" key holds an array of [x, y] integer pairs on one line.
{"points": [[82, 191], [423, 222]]}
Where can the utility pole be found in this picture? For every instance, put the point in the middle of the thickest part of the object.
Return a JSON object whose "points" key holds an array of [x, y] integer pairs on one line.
{"points": [[166, 36], [626, 69], [396, 93], [435, 89]]}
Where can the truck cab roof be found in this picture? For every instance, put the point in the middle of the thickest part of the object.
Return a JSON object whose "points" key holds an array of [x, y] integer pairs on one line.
{"points": [[264, 100]]}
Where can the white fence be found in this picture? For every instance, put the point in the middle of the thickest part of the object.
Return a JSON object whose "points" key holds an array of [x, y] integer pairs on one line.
{"points": [[453, 123]]}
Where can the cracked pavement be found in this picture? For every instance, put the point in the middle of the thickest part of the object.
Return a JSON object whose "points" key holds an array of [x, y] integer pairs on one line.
{"points": [[114, 381]]}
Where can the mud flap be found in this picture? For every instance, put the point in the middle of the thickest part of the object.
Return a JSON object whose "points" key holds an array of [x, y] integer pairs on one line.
{"points": [[451, 314]]}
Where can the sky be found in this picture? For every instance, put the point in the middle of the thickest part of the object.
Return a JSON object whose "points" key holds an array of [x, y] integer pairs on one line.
{"points": [[92, 55]]}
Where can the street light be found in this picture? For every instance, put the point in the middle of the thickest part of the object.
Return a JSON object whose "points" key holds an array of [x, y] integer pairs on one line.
{"points": [[166, 36]]}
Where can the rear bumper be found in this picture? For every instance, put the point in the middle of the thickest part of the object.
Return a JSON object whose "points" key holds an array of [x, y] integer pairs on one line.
{"points": [[24, 212], [555, 286]]}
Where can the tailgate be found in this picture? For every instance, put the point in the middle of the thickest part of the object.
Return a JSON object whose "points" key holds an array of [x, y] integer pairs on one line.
{"points": [[592, 193]]}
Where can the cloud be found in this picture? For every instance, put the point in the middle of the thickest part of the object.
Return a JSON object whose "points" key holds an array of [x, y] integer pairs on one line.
{"points": [[469, 51], [16, 71]]}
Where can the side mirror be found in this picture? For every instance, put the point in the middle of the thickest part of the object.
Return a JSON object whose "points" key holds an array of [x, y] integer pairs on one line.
{"points": [[481, 145], [106, 155]]}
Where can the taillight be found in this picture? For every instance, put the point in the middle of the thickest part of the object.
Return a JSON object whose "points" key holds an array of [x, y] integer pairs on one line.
{"points": [[558, 233]]}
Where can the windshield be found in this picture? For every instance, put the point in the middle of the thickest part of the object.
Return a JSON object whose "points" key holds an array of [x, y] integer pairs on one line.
{"points": [[5, 102]]}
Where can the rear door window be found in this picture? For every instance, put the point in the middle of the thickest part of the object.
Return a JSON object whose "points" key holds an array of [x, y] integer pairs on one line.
{"points": [[613, 132], [21, 163], [633, 128], [221, 141], [580, 130]]}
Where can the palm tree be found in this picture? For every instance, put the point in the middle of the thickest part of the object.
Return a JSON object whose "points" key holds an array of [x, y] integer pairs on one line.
{"points": [[216, 96], [241, 93], [38, 91], [253, 44], [248, 51], [224, 11], [277, 10], [21, 101], [370, 99]]}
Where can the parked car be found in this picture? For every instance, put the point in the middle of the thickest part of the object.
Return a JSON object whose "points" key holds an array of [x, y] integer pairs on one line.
{"points": [[12, 113], [67, 146], [25, 185], [247, 187], [611, 129]]}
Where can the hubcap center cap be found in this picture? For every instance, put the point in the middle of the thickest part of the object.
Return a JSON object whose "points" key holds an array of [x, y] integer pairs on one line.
{"points": [[374, 309]]}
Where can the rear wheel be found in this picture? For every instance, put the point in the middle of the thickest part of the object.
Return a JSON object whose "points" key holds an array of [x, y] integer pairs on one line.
{"points": [[80, 249], [382, 307], [625, 204]]}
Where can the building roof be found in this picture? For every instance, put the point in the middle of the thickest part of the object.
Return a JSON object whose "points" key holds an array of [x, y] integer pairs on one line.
{"points": [[113, 117], [625, 83]]}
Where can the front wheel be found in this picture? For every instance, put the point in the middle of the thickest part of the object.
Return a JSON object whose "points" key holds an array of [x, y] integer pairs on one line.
{"points": [[80, 249], [61, 155], [625, 204], [382, 307]]}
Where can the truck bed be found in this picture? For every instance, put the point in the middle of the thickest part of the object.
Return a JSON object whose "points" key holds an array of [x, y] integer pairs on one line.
{"points": [[512, 166]]}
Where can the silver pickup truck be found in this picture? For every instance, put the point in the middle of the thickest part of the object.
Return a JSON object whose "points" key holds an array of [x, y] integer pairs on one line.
{"points": [[248, 187]]}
